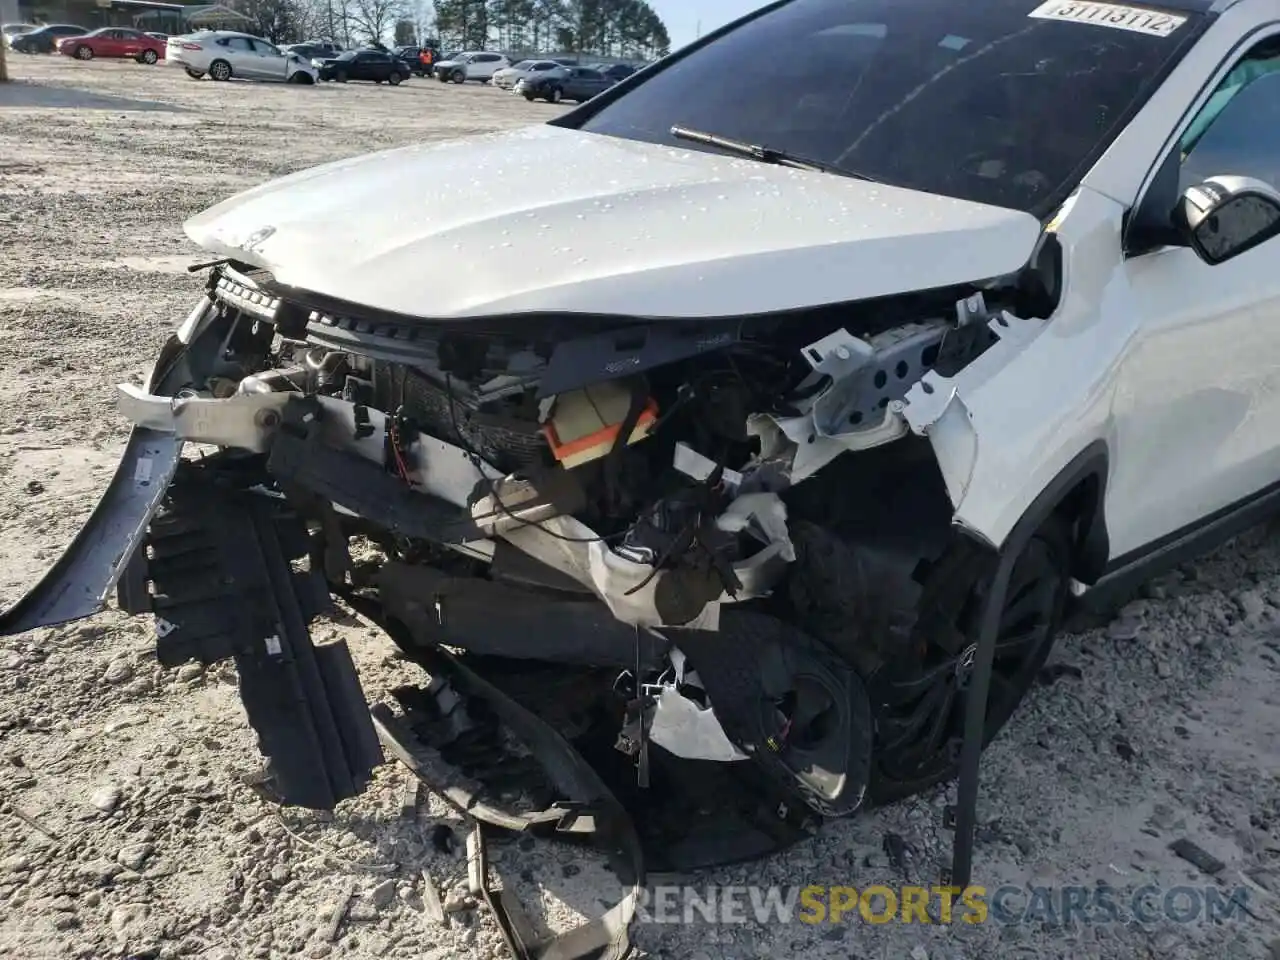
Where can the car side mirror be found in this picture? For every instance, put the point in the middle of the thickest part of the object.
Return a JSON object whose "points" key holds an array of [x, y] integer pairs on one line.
{"points": [[1224, 217]]}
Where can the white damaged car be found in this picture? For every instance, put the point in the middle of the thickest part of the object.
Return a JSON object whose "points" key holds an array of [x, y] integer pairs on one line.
{"points": [[712, 445]]}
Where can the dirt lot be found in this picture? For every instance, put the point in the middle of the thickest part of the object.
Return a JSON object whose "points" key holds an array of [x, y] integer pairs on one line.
{"points": [[140, 838]]}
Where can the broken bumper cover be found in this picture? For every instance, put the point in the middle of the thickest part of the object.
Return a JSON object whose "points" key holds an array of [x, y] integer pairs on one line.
{"points": [[79, 583]]}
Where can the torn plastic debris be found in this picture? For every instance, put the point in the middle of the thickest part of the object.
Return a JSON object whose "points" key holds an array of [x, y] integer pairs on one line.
{"points": [[592, 809], [632, 591], [690, 731]]}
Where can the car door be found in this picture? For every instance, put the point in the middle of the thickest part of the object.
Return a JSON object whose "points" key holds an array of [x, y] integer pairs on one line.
{"points": [[238, 51], [573, 83], [130, 43], [590, 82], [104, 43], [1197, 407], [272, 64]]}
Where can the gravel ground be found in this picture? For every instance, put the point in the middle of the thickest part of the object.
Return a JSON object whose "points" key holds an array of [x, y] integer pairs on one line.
{"points": [[140, 837]]}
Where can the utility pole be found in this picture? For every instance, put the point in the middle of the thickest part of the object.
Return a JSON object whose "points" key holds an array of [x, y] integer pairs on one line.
{"points": [[698, 35], [4, 71]]}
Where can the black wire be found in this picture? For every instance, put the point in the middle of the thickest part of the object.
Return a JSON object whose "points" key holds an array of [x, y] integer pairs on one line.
{"points": [[476, 462]]}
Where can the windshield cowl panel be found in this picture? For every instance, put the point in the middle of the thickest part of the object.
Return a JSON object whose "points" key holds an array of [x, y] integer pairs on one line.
{"points": [[1007, 102]]}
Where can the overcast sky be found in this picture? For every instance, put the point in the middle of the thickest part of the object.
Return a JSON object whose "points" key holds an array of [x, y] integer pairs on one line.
{"points": [[682, 16]]}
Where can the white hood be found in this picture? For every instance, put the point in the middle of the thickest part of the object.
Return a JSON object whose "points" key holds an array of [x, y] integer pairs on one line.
{"points": [[550, 219]]}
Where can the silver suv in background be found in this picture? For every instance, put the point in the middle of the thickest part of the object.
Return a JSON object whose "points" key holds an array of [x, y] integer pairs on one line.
{"points": [[225, 54], [508, 77], [471, 65]]}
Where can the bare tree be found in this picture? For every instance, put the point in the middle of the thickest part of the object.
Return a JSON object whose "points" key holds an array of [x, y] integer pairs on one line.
{"points": [[423, 15], [373, 19]]}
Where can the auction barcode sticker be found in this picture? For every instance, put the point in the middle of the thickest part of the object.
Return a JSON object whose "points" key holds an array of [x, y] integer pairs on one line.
{"points": [[1154, 23]]}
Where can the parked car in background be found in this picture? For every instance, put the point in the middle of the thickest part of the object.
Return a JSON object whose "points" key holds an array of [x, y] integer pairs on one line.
{"points": [[616, 72], [224, 54], [378, 66], [508, 77], [159, 36], [420, 60], [471, 65], [571, 83], [113, 42], [45, 39], [10, 30], [310, 51]]}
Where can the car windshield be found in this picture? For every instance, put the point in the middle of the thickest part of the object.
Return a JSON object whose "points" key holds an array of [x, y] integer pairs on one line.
{"points": [[349, 55], [1002, 102]]}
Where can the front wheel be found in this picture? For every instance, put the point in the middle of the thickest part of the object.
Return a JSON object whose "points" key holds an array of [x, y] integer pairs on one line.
{"points": [[195, 74], [149, 57], [528, 95], [220, 70], [555, 96], [395, 79], [921, 697], [84, 53], [341, 76], [459, 76]]}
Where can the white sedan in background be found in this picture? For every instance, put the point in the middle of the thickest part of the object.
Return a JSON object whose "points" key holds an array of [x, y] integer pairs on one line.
{"points": [[508, 77], [225, 54]]}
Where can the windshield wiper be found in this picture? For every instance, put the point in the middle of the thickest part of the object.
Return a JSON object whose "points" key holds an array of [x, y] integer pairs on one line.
{"points": [[757, 151]]}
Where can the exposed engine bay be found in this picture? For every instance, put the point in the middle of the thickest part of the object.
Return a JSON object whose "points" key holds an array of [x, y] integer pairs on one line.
{"points": [[667, 506], [685, 587]]}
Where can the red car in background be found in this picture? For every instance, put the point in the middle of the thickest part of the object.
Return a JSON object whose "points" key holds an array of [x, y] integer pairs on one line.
{"points": [[113, 42]]}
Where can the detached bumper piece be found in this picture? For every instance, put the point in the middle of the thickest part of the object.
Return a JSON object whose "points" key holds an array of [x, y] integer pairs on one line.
{"points": [[469, 716], [219, 561], [79, 583]]}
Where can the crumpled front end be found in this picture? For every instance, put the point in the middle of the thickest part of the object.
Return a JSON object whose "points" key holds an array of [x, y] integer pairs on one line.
{"points": [[648, 533]]}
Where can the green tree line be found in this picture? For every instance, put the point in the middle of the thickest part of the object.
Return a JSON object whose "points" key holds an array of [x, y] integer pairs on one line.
{"points": [[615, 28]]}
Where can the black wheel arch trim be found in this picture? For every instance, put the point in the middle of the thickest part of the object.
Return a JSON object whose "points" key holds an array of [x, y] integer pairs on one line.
{"points": [[1081, 486]]}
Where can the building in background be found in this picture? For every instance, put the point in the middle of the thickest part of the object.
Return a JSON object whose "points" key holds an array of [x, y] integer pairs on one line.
{"points": [[152, 15]]}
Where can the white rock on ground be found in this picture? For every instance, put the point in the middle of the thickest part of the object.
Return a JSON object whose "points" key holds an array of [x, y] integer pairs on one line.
{"points": [[1172, 729]]}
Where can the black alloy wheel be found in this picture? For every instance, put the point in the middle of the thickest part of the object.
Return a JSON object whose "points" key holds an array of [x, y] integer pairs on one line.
{"points": [[920, 700]]}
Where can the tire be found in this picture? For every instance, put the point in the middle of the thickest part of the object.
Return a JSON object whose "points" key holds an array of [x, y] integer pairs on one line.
{"points": [[149, 57], [340, 76], [458, 76], [194, 74], [555, 95], [219, 70], [762, 674], [394, 79], [528, 95], [84, 52], [300, 77], [950, 606]]}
